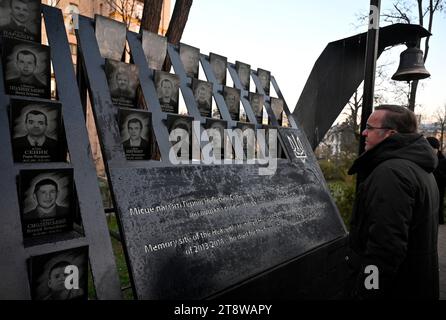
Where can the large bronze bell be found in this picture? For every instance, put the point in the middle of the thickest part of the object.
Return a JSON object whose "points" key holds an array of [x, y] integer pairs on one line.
{"points": [[411, 65]]}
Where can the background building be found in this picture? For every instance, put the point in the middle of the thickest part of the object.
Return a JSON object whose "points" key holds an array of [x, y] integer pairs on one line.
{"points": [[128, 11]]}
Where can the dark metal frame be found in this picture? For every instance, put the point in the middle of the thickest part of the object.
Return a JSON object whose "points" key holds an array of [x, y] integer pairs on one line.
{"points": [[14, 282]]}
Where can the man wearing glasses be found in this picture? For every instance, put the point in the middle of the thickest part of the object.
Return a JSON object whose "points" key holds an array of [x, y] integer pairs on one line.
{"points": [[393, 231]]}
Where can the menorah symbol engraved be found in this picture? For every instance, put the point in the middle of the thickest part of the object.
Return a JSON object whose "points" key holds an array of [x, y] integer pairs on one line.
{"points": [[296, 146]]}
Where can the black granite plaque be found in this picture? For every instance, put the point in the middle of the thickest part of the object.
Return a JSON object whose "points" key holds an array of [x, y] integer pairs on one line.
{"points": [[37, 131], [218, 64], [155, 49], [190, 57], [20, 19], [244, 74], [256, 101], [27, 69], [60, 275], [264, 77], [111, 36], [203, 96], [194, 231], [232, 99], [123, 82], [167, 88], [277, 107], [135, 127], [46, 201]]}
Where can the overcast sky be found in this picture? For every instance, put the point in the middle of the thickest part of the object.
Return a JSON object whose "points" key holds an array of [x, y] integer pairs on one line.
{"points": [[287, 36]]}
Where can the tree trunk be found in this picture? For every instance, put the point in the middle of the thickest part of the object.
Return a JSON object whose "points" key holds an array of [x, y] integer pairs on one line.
{"points": [[176, 26], [151, 15], [413, 95]]}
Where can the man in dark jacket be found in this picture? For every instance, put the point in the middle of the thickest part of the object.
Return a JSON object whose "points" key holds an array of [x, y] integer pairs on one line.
{"points": [[393, 233], [439, 174]]}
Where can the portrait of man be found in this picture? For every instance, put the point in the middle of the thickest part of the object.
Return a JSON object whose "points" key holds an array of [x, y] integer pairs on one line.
{"points": [[232, 99], [203, 96], [277, 107], [46, 201], [218, 64], [60, 275], [27, 68], [111, 37], [36, 131], [155, 49], [123, 81], [218, 146], [21, 20], [135, 131], [244, 74], [190, 57], [184, 124], [168, 91], [256, 101], [249, 140], [264, 77]]}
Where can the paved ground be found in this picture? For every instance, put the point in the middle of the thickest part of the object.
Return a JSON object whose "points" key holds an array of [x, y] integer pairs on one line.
{"points": [[442, 258]]}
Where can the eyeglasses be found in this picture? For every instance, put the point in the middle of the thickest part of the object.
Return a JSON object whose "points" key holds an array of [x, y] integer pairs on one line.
{"points": [[369, 127]]}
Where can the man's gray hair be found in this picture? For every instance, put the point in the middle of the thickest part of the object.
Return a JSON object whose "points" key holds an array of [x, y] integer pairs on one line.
{"points": [[398, 118]]}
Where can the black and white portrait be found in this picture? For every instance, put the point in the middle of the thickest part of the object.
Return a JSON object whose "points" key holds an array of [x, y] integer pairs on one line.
{"points": [[184, 134], [123, 82], [249, 139], [213, 126], [203, 96], [264, 77], [61, 275], [46, 201], [167, 87], [20, 19], [232, 99], [190, 57], [244, 74], [27, 69], [111, 37], [218, 64], [155, 49], [256, 101], [277, 107], [136, 131], [36, 131]]}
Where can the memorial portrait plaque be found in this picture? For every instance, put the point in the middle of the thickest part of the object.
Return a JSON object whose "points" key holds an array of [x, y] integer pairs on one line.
{"points": [[194, 231], [256, 101], [111, 37], [277, 107], [248, 137], [190, 57], [218, 64], [20, 19], [232, 99], [184, 136], [37, 131], [27, 70], [136, 133], [61, 275], [123, 82], [167, 87], [279, 152], [155, 49], [265, 78], [46, 201], [203, 96], [218, 145], [244, 74]]}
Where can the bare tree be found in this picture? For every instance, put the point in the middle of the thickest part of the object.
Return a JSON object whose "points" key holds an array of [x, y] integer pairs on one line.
{"points": [[125, 8], [151, 15], [440, 116], [177, 24], [402, 12]]}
